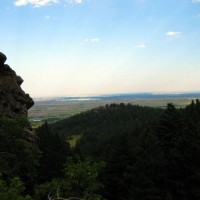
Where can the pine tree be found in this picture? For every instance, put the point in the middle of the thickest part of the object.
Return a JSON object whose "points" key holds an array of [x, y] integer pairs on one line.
{"points": [[171, 144], [55, 150]]}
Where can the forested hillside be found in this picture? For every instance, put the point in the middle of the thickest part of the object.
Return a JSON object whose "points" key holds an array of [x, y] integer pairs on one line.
{"points": [[149, 153], [100, 127], [124, 152]]}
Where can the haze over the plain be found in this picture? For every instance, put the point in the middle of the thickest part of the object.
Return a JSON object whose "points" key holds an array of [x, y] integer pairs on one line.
{"points": [[85, 47]]}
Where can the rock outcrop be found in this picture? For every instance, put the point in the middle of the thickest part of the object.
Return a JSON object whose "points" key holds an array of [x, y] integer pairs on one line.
{"points": [[14, 102]]}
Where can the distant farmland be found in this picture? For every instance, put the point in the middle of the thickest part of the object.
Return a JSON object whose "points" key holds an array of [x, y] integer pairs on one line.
{"points": [[54, 109]]}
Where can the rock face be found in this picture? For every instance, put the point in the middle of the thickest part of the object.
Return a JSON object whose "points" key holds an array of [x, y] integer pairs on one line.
{"points": [[14, 102]]}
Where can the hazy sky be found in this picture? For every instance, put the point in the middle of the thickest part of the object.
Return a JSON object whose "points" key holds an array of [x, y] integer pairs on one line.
{"points": [[81, 47]]}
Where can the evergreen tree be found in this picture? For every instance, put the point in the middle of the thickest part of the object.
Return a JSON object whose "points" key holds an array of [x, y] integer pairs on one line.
{"points": [[80, 181], [55, 150], [18, 156], [13, 191]]}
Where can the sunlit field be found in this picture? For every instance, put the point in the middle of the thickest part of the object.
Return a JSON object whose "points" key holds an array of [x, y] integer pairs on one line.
{"points": [[52, 111]]}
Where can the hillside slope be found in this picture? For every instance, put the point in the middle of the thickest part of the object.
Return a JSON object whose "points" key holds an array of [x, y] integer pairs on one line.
{"points": [[149, 153], [99, 127]]}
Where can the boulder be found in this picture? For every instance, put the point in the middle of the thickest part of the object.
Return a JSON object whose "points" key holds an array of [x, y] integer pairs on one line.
{"points": [[19, 80], [2, 59]]}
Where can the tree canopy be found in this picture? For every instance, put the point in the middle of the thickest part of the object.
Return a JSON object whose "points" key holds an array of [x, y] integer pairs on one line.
{"points": [[124, 152]]}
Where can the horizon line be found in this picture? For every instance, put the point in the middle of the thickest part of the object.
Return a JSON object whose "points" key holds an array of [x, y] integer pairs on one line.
{"points": [[116, 94]]}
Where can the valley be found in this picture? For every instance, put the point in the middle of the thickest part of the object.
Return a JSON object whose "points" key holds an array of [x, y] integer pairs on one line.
{"points": [[54, 109]]}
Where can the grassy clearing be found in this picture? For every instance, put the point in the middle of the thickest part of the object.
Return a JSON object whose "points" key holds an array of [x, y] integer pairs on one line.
{"points": [[73, 140]]}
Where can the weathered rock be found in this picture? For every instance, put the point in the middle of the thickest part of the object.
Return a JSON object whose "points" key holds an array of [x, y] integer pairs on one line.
{"points": [[29, 134], [14, 102], [2, 59], [19, 80]]}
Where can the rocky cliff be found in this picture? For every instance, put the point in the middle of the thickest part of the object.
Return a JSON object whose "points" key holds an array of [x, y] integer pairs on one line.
{"points": [[14, 102]]}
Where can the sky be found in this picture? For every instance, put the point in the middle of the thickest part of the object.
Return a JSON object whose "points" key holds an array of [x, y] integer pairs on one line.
{"points": [[92, 47]]}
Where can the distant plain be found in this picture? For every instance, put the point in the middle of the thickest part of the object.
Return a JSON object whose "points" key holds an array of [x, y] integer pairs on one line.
{"points": [[54, 109]]}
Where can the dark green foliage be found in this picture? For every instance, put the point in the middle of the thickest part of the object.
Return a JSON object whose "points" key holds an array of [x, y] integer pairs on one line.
{"points": [[55, 150], [80, 180], [100, 126], [18, 156], [13, 191], [150, 154], [81, 177], [173, 171], [117, 134]]}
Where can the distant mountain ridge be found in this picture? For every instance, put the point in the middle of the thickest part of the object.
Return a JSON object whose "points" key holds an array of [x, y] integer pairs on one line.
{"points": [[123, 96]]}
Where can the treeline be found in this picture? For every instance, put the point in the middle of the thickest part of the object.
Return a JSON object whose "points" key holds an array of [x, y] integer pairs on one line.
{"points": [[125, 152], [45, 168], [100, 127], [150, 153]]}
